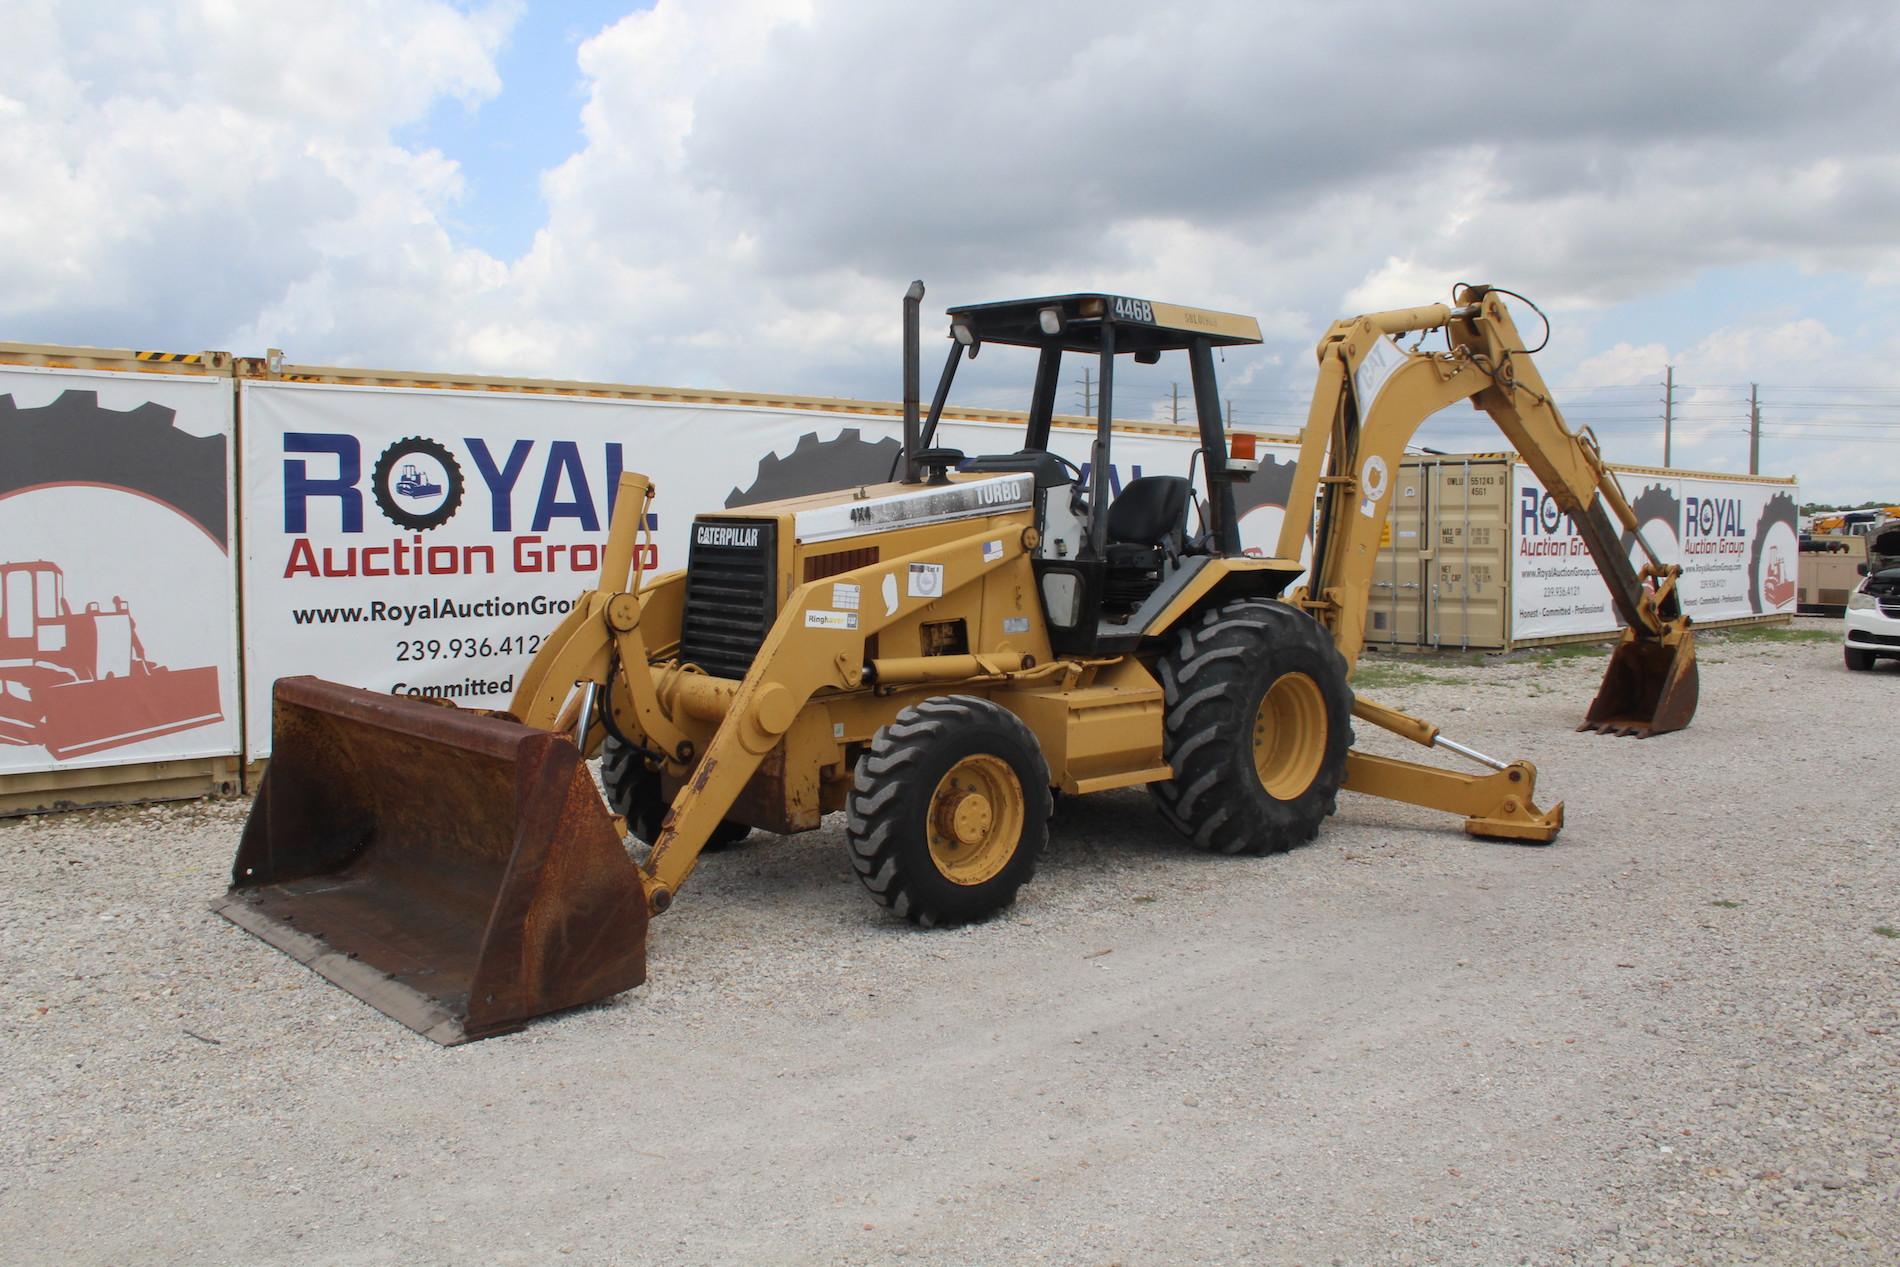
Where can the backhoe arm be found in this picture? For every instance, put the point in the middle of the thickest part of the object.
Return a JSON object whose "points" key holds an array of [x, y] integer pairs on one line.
{"points": [[1371, 398]]}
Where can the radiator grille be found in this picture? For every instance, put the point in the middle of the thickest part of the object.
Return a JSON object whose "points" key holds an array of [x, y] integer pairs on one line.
{"points": [[819, 566], [731, 594]]}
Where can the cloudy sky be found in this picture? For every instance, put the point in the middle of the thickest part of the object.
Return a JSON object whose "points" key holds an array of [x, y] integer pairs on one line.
{"points": [[734, 193]]}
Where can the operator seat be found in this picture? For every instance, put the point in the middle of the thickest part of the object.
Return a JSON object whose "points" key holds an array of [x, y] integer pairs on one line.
{"points": [[1147, 532]]}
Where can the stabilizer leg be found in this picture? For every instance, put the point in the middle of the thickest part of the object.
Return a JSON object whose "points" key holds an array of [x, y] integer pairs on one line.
{"points": [[1497, 806]]}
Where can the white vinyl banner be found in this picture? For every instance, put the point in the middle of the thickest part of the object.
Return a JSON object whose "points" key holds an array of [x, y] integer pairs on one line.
{"points": [[1740, 545], [425, 541], [1736, 542], [118, 588]]}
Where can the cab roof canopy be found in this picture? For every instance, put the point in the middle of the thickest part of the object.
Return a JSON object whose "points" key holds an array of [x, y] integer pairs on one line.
{"points": [[1074, 323]]}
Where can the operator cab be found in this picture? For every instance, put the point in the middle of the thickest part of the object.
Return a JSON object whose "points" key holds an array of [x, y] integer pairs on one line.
{"points": [[1102, 561]]}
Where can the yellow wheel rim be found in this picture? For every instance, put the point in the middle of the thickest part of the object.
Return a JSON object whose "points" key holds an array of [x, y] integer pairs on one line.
{"points": [[976, 819], [1289, 736]]}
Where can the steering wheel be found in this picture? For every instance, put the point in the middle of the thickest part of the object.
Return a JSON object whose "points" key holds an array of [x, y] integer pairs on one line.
{"points": [[1070, 466]]}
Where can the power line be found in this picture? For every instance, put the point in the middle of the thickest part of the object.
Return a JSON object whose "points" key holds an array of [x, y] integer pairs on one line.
{"points": [[1873, 437], [1821, 387], [1833, 404]]}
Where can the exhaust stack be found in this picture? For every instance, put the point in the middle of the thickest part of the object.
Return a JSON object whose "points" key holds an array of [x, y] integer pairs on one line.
{"points": [[913, 427]]}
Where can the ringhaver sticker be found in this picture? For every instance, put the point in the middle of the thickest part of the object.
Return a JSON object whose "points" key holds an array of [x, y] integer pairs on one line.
{"points": [[1015, 624], [831, 620], [844, 596], [926, 580]]}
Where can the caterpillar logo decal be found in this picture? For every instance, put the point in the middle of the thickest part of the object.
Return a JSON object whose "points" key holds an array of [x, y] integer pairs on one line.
{"points": [[733, 536]]}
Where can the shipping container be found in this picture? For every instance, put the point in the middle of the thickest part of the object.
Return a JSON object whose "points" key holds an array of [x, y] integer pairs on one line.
{"points": [[118, 601], [1477, 556], [1443, 563]]}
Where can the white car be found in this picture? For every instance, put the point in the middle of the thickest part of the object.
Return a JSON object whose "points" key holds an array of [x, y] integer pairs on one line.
{"points": [[1873, 606]]}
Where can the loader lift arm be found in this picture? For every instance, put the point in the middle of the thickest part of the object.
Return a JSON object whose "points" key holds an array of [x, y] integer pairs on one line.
{"points": [[1371, 398], [602, 642]]}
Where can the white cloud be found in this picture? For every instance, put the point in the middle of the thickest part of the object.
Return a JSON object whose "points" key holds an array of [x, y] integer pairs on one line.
{"points": [[775, 173], [1790, 352], [188, 168], [1404, 283], [1624, 364], [757, 181]]}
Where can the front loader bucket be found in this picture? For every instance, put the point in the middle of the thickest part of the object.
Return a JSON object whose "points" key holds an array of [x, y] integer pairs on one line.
{"points": [[1649, 688], [457, 872]]}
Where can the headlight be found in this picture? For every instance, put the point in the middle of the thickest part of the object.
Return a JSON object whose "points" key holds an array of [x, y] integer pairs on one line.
{"points": [[1860, 601]]}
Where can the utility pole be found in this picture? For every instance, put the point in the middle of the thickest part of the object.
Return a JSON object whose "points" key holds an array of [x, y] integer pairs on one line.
{"points": [[1088, 396], [1176, 415], [1754, 431], [1669, 409], [1230, 413]]}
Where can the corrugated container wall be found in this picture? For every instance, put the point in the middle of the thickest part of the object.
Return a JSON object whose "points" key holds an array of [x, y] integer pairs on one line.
{"points": [[1444, 563], [1476, 554]]}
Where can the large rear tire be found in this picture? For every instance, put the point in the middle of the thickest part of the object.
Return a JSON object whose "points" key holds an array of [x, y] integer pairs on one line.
{"points": [[635, 794], [949, 810], [1258, 720]]}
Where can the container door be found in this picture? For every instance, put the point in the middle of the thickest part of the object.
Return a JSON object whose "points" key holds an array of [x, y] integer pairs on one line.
{"points": [[1397, 615], [1471, 501]]}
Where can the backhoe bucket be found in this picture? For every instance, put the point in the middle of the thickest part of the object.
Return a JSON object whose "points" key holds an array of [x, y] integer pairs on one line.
{"points": [[1649, 688], [457, 872]]}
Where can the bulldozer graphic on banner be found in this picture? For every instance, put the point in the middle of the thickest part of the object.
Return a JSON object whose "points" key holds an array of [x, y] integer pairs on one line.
{"points": [[413, 483], [1777, 587], [78, 682]]}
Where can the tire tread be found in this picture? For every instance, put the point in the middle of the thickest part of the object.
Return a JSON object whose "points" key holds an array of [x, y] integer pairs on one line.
{"points": [[886, 858], [1205, 677]]}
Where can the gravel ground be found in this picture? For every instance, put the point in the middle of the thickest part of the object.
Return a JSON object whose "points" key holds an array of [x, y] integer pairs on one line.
{"points": [[1672, 1037]]}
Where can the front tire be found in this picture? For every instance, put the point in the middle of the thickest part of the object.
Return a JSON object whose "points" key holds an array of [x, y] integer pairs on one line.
{"points": [[1858, 661], [1258, 720], [949, 810], [635, 794]]}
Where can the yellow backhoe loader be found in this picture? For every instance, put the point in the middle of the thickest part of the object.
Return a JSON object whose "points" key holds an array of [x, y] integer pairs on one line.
{"points": [[932, 656]]}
